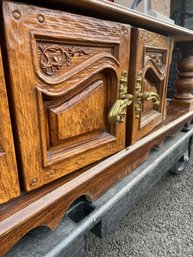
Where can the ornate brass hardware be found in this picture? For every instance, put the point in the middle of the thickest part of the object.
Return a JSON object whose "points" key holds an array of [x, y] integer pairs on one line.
{"points": [[117, 112], [147, 96]]}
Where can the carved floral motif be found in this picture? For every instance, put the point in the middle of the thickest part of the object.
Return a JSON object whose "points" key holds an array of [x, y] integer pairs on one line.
{"points": [[157, 58], [54, 57]]}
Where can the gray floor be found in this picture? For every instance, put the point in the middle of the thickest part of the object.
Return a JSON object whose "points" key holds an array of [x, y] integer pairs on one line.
{"points": [[160, 225]]}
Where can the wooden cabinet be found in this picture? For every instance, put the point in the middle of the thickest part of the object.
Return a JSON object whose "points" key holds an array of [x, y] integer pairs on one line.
{"points": [[71, 83], [9, 184], [70, 79], [66, 72], [148, 77]]}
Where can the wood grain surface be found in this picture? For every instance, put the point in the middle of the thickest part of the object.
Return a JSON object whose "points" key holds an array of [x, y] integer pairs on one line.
{"points": [[105, 10], [65, 71], [65, 76], [9, 183], [47, 205], [149, 71]]}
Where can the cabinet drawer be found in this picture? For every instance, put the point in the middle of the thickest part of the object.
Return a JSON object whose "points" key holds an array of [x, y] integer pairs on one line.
{"points": [[9, 184], [65, 76], [148, 78]]}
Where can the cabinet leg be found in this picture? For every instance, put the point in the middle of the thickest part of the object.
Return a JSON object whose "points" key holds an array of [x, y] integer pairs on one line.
{"points": [[184, 81]]}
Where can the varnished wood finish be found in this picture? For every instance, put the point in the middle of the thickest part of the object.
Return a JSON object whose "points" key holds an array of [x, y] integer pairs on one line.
{"points": [[108, 11], [184, 81], [63, 88], [149, 70], [31, 210], [65, 71], [9, 184]]}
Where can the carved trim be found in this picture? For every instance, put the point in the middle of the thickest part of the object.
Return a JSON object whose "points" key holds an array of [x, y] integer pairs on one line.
{"points": [[90, 56], [94, 65], [157, 59], [138, 94], [59, 195], [149, 63], [54, 57]]}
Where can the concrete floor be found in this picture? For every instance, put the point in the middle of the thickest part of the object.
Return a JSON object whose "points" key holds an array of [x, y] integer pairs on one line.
{"points": [[160, 225]]}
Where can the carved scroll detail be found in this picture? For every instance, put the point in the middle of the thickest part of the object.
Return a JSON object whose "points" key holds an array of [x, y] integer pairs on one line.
{"points": [[138, 94], [157, 58], [54, 57]]}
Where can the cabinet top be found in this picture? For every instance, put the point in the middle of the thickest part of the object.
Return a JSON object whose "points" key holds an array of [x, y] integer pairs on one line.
{"points": [[114, 12]]}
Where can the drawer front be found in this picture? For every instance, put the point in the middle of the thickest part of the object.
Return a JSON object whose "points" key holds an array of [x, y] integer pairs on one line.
{"points": [[148, 78], [65, 76], [9, 184]]}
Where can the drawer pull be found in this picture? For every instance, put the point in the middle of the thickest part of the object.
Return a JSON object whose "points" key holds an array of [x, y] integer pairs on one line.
{"points": [[145, 96], [117, 112]]}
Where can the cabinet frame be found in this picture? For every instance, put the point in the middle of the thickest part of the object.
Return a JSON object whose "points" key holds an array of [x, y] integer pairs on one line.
{"points": [[9, 181], [66, 58]]}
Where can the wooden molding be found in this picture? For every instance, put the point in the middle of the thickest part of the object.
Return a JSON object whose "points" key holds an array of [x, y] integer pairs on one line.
{"points": [[9, 182], [31, 210]]}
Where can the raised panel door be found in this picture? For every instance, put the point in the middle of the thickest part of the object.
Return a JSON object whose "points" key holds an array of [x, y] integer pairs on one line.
{"points": [[66, 72], [148, 78]]}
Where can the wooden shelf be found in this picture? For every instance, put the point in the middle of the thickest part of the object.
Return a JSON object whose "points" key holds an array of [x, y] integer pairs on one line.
{"points": [[114, 12]]}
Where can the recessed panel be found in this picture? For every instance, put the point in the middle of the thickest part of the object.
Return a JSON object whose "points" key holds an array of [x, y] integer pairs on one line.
{"points": [[65, 77], [148, 81], [83, 113]]}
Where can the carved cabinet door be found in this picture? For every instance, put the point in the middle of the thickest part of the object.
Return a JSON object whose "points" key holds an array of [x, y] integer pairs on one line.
{"points": [[66, 71], [9, 183], [148, 77]]}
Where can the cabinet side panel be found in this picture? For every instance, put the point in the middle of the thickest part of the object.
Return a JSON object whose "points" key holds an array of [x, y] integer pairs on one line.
{"points": [[9, 184]]}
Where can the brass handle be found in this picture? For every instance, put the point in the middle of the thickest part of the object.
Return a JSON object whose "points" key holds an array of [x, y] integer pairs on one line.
{"points": [[117, 112], [152, 96], [148, 96]]}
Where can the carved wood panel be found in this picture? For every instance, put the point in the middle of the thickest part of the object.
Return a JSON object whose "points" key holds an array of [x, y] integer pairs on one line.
{"points": [[150, 59], [9, 184], [65, 76]]}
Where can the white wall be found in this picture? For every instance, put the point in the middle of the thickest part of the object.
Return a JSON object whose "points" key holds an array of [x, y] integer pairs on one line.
{"points": [[142, 7]]}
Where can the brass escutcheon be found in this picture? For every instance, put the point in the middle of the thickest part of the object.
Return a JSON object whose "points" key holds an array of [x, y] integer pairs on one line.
{"points": [[147, 96]]}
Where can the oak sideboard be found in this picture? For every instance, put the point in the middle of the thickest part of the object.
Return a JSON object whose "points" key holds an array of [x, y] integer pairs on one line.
{"points": [[83, 88]]}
